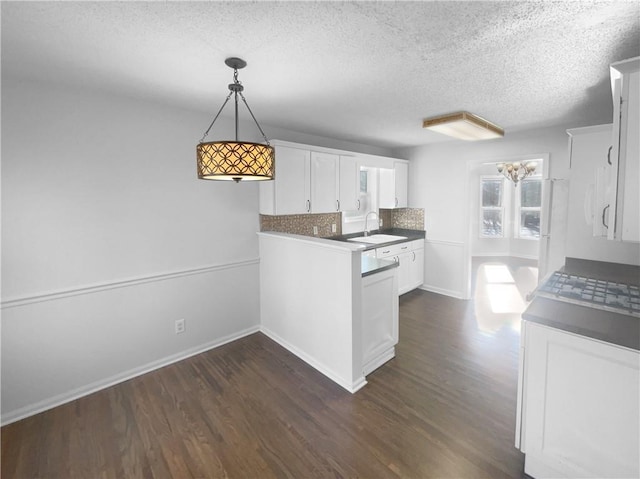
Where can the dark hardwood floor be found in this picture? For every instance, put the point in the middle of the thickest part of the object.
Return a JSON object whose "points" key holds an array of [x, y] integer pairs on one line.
{"points": [[443, 408]]}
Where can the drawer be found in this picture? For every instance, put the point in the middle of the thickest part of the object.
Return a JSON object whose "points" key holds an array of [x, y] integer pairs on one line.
{"points": [[393, 250]]}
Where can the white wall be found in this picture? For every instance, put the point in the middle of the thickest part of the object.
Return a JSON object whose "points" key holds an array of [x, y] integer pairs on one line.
{"points": [[439, 183], [108, 237]]}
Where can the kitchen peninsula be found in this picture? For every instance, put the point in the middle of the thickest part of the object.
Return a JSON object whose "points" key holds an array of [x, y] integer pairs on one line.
{"points": [[328, 304]]}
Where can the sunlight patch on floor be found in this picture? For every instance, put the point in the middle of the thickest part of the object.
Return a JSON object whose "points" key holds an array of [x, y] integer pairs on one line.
{"points": [[497, 273], [500, 296]]}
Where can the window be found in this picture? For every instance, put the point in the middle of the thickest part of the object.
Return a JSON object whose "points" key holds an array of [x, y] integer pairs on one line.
{"points": [[491, 207], [528, 203]]}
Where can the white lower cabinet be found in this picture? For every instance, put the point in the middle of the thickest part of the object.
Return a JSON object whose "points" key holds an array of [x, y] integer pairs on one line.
{"points": [[578, 406], [379, 319], [416, 267], [410, 256]]}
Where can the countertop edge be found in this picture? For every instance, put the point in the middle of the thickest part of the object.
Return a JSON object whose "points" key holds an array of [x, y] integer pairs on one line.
{"points": [[609, 327]]}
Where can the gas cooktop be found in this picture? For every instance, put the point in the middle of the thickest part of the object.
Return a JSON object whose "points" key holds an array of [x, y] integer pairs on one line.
{"points": [[594, 293]]}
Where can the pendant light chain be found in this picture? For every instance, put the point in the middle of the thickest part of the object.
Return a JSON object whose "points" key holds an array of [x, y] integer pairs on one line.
{"points": [[214, 120], [254, 119], [236, 89]]}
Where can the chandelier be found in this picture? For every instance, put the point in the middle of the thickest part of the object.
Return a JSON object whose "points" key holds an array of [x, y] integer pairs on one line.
{"points": [[517, 171], [235, 160]]}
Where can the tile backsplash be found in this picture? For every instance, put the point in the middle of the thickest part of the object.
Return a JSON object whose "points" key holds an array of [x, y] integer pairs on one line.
{"points": [[407, 218], [303, 224]]}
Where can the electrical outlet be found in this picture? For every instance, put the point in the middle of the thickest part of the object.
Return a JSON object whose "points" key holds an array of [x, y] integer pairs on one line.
{"points": [[180, 326], [315, 230], [380, 222], [334, 228]]}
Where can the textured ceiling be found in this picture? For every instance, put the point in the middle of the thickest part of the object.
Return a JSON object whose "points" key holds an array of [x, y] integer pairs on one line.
{"points": [[361, 71]]}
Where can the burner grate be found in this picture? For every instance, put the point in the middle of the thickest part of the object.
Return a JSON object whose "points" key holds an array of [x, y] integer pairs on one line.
{"points": [[607, 295]]}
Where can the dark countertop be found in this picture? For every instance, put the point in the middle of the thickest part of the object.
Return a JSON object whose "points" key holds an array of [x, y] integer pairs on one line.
{"points": [[620, 273], [410, 234], [374, 265], [614, 328]]}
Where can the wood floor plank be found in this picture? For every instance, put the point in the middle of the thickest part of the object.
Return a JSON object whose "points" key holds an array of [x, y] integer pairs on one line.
{"points": [[443, 408]]}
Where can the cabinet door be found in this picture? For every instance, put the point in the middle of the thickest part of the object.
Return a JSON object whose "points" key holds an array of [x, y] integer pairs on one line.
{"points": [[386, 188], [349, 184], [624, 213], [379, 318], [629, 169], [416, 270], [401, 182], [580, 406], [324, 182], [404, 271], [292, 181]]}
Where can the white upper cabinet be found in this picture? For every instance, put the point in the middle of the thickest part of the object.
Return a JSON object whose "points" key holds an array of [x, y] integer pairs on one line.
{"points": [[624, 213], [590, 180], [324, 182], [349, 184], [312, 179], [289, 193], [387, 188], [401, 169], [393, 185]]}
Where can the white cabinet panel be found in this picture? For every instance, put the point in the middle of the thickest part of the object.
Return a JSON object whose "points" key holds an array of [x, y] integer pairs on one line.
{"points": [[401, 183], [416, 269], [289, 193], [379, 319], [393, 185], [349, 184], [624, 214], [410, 256], [580, 409], [387, 188], [324, 182]]}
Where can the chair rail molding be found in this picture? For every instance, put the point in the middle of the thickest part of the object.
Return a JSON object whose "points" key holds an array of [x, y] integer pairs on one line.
{"points": [[98, 287]]}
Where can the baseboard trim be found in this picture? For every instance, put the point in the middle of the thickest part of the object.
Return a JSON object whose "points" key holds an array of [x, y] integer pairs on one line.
{"points": [[379, 360], [95, 288], [351, 387], [447, 292], [96, 386], [500, 255]]}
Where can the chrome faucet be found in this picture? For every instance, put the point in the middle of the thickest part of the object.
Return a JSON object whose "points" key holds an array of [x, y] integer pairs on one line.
{"points": [[366, 222]]}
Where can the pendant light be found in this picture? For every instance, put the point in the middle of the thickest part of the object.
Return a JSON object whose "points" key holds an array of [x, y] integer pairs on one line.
{"points": [[235, 160]]}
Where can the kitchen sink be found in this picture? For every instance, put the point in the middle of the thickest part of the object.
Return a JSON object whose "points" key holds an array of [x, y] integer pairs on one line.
{"points": [[377, 239]]}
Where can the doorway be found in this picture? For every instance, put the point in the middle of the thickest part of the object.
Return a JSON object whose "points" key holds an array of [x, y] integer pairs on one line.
{"points": [[507, 227]]}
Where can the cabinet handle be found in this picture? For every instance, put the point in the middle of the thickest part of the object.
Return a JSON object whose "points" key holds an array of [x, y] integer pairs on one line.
{"points": [[385, 252], [337, 205], [604, 212], [308, 206], [609, 155], [414, 255], [404, 247], [396, 259], [358, 205]]}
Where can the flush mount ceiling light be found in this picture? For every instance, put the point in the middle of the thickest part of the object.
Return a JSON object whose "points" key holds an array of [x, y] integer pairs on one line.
{"points": [[464, 126], [517, 171], [235, 160]]}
